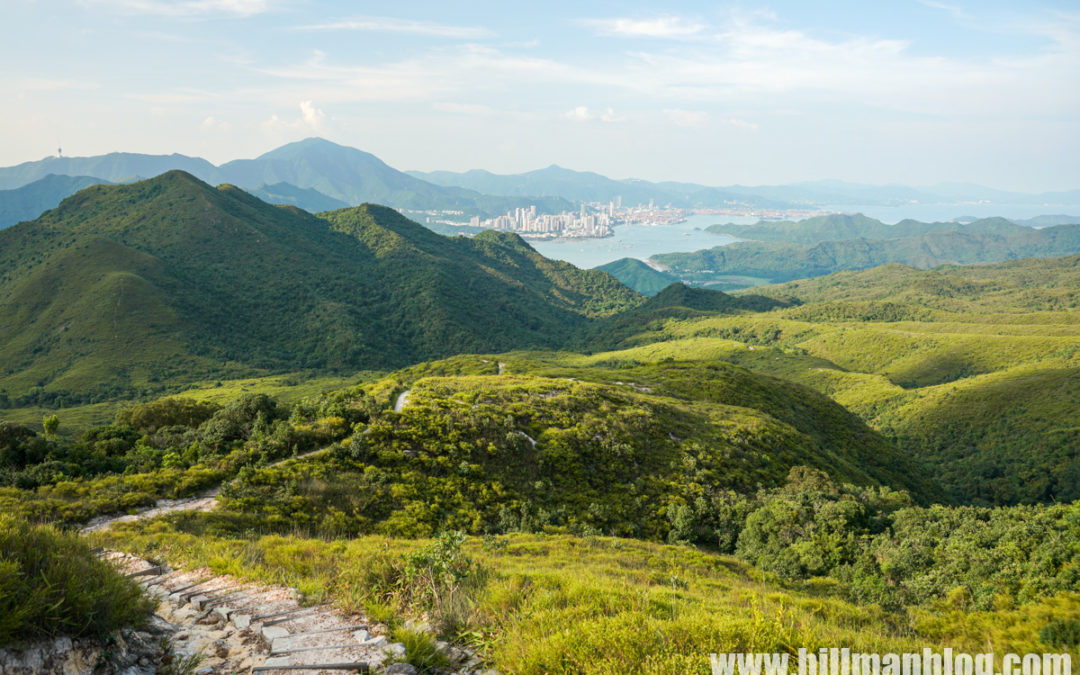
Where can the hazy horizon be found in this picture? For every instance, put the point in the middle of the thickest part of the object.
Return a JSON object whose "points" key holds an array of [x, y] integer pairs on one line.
{"points": [[910, 93]]}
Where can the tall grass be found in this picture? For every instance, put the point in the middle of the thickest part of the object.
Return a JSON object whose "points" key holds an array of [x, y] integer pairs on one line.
{"points": [[51, 584]]}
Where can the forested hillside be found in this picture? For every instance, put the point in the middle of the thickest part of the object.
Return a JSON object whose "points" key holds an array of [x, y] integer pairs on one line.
{"points": [[123, 289], [783, 260]]}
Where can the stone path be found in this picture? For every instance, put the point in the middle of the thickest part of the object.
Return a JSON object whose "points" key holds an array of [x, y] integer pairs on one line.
{"points": [[206, 501], [242, 627]]}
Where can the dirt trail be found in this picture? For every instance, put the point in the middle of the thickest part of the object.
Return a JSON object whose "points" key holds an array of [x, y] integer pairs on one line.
{"points": [[207, 501]]}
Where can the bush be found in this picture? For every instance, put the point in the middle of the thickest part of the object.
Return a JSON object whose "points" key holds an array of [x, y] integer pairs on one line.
{"points": [[51, 584], [442, 580]]}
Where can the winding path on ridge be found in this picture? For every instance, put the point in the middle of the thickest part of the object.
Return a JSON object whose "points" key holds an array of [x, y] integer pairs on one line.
{"points": [[231, 625], [207, 501]]}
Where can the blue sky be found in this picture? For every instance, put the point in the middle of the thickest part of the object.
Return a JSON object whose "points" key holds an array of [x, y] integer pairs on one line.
{"points": [[914, 92]]}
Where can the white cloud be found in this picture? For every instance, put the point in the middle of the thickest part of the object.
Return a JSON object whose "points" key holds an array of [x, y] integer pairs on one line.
{"points": [[580, 113], [312, 116], [657, 27], [748, 59], [583, 114], [742, 124], [383, 24], [187, 7], [956, 11], [211, 123], [311, 119]]}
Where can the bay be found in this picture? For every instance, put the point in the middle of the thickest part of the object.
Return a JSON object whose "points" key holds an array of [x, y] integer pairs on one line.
{"points": [[640, 241]]}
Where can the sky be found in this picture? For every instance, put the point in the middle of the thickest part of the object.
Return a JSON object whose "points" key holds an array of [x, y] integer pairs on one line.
{"points": [[914, 92]]}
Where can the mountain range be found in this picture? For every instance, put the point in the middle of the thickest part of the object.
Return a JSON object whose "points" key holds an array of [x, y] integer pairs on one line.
{"points": [[315, 174], [588, 186], [127, 287], [310, 174]]}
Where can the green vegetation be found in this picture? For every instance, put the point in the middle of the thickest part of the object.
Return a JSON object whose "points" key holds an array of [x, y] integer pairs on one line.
{"points": [[51, 584], [640, 450], [837, 227], [164, 449], [133, 290], [559, 603], [638, 275], [971, 369], [794, 251], [883, 460]]}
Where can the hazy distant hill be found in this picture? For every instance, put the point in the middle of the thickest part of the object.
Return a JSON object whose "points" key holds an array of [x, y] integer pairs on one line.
{"points": [[30, 201], [309, 199], [354, 177], [783, 260], [114, 167], [1048, 220], [345, 174], [588, 186], [126, 287], [835, 227]]}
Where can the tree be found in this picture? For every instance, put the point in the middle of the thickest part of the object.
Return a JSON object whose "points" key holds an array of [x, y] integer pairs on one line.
{"points": [[50, 423]]}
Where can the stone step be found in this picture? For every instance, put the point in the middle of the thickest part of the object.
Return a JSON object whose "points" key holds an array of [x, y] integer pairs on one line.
{"points": [[269, 667]]}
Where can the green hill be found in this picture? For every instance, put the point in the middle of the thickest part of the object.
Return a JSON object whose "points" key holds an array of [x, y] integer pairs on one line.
{"points": [[134, 287], [30, 201], [784, 260], [836, 226], [577, 448], [973, 369], [638, 275]]}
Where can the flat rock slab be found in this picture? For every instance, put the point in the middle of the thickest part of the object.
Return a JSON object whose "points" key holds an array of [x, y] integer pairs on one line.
{"points": [[271, 633]]}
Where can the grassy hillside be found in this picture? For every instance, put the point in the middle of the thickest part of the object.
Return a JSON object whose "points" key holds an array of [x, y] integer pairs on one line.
{"points": [[973, 369], [126, 289], [782, 260], [561, 604]]}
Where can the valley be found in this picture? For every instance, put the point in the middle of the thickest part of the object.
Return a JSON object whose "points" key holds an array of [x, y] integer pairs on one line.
{"points": [[348, 404]]}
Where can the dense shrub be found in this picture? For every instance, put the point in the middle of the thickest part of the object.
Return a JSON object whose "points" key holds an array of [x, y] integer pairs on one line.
{"points": [[51, 584]]}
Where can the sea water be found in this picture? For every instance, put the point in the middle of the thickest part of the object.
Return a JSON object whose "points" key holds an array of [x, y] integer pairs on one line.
{"points": [[640, 241]]}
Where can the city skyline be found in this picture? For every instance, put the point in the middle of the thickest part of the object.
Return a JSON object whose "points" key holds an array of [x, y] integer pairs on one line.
{"points": [[902, 92]]}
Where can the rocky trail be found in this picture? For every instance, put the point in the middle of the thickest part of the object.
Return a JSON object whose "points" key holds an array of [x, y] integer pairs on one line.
{"points": [[221, 624]]}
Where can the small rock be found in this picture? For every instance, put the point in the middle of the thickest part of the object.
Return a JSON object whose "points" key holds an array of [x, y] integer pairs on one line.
{"points": [[395, 649], [401, 669], [241, 621], [223, 612], [361, 635], [377, 641]]}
